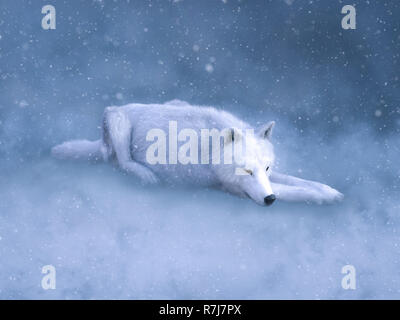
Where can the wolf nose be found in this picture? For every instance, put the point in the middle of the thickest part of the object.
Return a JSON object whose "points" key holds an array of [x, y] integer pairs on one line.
{"points": [[270, 199]]}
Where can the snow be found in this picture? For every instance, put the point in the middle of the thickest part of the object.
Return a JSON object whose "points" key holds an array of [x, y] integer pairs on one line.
{"points": [[109, 237], [338, 120]]}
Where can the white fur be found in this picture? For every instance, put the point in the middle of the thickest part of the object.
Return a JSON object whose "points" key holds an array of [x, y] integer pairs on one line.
{"points": [[124, 142]]}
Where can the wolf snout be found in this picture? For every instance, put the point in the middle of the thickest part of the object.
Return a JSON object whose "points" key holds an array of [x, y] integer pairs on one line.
{"points": [[269, 199]]}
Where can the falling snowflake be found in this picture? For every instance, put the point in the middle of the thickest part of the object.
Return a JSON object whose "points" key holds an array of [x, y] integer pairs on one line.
{"points": [[209, 68]]}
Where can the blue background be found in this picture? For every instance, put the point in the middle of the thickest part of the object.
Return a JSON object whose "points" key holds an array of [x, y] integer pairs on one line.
{"points": [[334, 94]]}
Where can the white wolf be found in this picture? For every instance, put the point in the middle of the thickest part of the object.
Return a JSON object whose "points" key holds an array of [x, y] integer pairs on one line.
{"points": [[125, 141]]}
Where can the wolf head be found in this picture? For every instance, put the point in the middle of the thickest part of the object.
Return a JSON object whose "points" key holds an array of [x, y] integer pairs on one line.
{"points": [[248, 175]]}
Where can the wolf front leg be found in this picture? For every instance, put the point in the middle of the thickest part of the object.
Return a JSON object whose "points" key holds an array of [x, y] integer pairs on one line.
{"points": [[119, 130], [324, 191], [298, 194]]}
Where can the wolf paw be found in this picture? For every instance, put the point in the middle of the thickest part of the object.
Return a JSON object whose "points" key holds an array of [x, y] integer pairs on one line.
{"points": [[147, 177]]}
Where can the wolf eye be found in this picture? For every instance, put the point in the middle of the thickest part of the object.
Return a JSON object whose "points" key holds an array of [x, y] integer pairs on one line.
{"points": [[249, 171], [267, 169]]}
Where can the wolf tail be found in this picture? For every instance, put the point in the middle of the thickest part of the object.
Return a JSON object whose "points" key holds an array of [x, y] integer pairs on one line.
{"points": [[79, 150]]}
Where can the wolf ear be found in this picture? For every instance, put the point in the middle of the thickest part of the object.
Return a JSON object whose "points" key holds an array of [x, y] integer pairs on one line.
{"points": [[266, 131]]}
